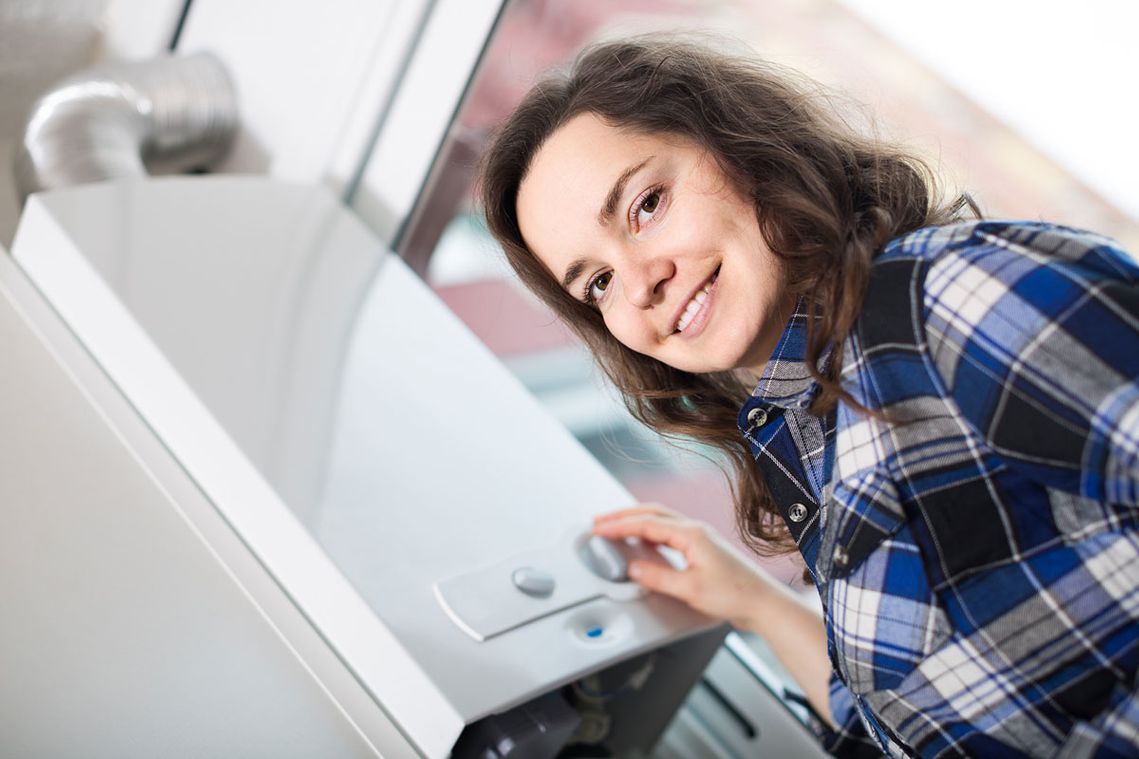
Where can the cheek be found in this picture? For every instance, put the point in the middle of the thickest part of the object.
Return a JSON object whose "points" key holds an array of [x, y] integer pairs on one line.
{"points": [[689, 229], [630, 332], [711, 228]]}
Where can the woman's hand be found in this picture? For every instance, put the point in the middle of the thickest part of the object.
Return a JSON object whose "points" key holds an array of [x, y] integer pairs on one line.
{"points": [[719, 581], [722, 583]]}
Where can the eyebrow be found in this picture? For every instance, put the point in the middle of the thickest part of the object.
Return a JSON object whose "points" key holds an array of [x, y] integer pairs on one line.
{"points": [[604, 216], [576, 267]]}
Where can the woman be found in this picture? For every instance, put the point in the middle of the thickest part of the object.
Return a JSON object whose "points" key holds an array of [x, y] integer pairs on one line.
{"points": [[941, 416]]}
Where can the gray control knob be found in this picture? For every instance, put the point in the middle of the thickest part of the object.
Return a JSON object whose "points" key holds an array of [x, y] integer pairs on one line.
{"points": [[606, 558], [533, 582]]}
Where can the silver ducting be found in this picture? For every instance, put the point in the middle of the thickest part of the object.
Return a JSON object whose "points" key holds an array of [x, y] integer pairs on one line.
{"points": [[114, 120]]}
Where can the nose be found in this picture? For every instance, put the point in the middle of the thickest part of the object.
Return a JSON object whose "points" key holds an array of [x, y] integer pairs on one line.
{"points": [[645, 280]]}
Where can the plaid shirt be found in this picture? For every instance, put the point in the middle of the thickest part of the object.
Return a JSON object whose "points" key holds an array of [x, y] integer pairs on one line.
{"points": [[978, 553]]}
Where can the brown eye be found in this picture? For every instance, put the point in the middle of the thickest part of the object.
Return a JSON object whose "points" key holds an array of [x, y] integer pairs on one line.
{"points": [[598, 286], [646, 208]]}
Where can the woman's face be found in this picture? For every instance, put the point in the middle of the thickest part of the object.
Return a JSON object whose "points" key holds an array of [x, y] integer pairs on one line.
{"points": [[649, 230]]}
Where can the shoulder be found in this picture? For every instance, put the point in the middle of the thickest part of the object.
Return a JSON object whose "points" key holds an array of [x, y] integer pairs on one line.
{"points": [[1007, 252], [1021, 269], [994, 290], [997, 287]]}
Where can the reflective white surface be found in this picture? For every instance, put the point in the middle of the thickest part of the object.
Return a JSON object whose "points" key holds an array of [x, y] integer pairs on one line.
{"points": [[127, 624], [285, 358]]}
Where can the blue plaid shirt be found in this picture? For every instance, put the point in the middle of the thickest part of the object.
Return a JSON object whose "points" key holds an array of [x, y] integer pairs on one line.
{"points": [[976, 549]]}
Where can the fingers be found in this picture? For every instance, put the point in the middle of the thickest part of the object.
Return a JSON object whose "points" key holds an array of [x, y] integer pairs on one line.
{"points": [[716, 579], [661, 578], [654, 528]]}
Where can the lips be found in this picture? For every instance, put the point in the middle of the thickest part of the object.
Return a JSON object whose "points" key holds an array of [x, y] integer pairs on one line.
{"points": [[694, 304]]}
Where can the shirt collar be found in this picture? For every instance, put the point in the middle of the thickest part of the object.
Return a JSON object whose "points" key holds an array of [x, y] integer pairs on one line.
{"points": [[786, 382]]}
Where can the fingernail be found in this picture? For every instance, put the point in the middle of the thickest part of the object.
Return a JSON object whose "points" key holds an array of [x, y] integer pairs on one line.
{"points": [[634, 571]]}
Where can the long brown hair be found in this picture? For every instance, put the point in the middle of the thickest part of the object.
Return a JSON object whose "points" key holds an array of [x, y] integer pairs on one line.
{"points": [[827, 199]]}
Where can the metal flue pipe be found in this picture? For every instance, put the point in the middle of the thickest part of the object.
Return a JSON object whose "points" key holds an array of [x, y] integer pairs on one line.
{"points": [[111, 121]]}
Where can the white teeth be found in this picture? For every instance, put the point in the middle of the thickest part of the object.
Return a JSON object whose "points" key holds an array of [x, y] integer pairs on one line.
{"points": [[694, 306]]}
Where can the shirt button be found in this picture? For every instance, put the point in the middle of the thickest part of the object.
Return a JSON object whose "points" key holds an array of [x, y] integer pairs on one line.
{"points": [[840, 557], [798, 512], [757, 417]]}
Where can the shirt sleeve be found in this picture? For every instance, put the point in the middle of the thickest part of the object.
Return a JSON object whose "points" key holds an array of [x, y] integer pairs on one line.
{"points": [[1035, 331]]}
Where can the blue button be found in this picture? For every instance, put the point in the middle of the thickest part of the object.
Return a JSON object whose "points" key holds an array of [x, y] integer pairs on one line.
{"points": [[594, 632]]}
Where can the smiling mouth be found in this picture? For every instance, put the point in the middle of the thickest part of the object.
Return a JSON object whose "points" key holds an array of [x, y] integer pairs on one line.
{"points": [[696, 303]]}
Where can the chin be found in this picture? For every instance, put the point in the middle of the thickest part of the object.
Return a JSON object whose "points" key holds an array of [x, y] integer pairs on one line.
{"points": [[705, 367]]}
